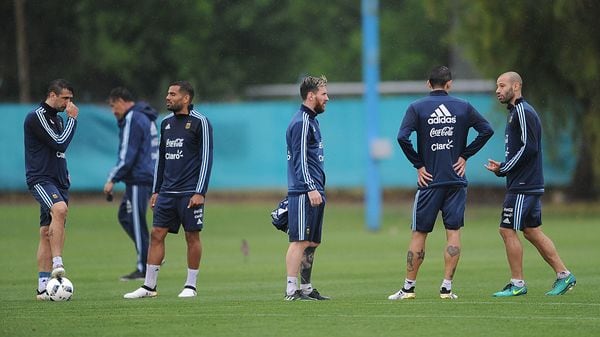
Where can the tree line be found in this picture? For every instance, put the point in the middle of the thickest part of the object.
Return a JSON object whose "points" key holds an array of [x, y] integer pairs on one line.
{"points": [[223, 46]]}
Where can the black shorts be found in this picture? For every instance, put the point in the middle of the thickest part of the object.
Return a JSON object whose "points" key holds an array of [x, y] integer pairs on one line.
{"points": [[520, 211], [428, 202], [305, 221], [172, 212], [48, 194]]}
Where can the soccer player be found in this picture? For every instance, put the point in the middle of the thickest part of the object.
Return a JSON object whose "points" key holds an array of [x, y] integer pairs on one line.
{"points": [[306, 189], [181, 179], [442, 124], [522, 208], [138, 150], [47, 138]]}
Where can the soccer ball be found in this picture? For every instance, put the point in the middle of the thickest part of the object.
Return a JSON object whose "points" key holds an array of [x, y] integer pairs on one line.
{"points": [[59, 289]]}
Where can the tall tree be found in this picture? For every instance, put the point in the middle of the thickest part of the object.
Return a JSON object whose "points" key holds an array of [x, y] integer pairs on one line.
{"points": [[22, 53], [555, 46]]}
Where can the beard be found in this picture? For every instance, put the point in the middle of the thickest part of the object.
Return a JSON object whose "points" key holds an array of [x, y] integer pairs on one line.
{"points": [[507, 97], [174, 107], [320, 108]]}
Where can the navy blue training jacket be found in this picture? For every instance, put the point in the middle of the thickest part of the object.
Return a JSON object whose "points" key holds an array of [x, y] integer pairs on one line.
{"points": [[523, 152], [46, 141], [138, 146], [305, 171], [442, 123], [185, 155]]}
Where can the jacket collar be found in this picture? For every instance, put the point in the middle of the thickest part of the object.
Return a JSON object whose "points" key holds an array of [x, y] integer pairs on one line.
{"points": [[308, 110], [49, 110], [438, 92], [517, 101]]}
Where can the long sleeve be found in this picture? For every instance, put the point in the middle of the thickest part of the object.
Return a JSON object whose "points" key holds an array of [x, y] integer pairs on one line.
{"points": [[43, 131], [528, 139], [206, 155], [408, 126], [160, 162], [484, 130], [131, 141], [299, 147]]}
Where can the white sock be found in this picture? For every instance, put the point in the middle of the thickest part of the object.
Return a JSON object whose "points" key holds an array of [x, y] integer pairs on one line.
{"points": [[447, 284], [151, 275], [43, 280], [192, 275], [518, 283], [292, 285], [57, 261], [409, 283], [306, 288], [563, 274]]}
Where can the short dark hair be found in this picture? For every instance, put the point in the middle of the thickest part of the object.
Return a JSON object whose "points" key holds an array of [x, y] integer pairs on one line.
{"points": [[186, 87], [311, 84], [57, 86], [439, 76], [122, 93]]}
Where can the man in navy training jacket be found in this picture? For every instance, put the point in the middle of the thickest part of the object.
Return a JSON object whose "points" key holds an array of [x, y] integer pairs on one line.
{"points": [[306, 189], [47, 138], [522, 208], [137, 154], [181, 179], [442, 124]]}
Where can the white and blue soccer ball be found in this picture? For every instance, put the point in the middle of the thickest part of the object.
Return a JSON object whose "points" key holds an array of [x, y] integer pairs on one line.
{"points": [[60, 289]]}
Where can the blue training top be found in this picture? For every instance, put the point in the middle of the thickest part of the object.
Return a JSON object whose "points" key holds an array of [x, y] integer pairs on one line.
{"points": [[523, 154], [46, 141], [138, 146], [185, 155], [442, 123], [305, 157]]}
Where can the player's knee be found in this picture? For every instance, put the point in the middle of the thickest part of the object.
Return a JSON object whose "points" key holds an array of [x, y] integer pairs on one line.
{"points": [[60, 210], [44, 230]]}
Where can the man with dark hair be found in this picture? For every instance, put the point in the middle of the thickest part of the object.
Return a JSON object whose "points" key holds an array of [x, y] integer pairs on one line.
{"points": [[180, 185], [442, 124], [47, 138], [137, 154], [522, 209], [306, 189]]}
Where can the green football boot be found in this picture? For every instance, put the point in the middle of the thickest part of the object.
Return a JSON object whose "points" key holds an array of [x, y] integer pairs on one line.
{"points": [[562, 285], [511, 290]]}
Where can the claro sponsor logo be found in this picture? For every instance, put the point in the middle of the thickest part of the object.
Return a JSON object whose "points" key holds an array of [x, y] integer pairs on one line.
{"points": [[60, 155], [446, 131], [177, 155], [442, 146]]}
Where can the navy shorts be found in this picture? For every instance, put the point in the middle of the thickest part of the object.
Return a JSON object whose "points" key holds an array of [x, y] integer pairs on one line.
{"points": [[428, 202], [172, 212], [305, 222], [48, 194], [520, 211]]}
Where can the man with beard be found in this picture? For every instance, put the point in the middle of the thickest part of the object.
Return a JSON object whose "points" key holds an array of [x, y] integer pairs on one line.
{"points": [[306, 189], [522, 209], [180, 184], [47, 138]]}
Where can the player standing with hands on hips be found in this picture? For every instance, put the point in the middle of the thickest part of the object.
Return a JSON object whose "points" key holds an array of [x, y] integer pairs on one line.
{"points": [[181, 179], [442, 124], [522, 208], [47, 138], [306, 189], [138, 150]]}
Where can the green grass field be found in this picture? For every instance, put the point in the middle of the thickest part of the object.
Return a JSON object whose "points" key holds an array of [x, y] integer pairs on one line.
{"points": [[243, 296]]}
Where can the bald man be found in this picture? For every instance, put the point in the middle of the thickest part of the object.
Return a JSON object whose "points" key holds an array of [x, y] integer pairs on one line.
{"points": [[522, 209]]}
